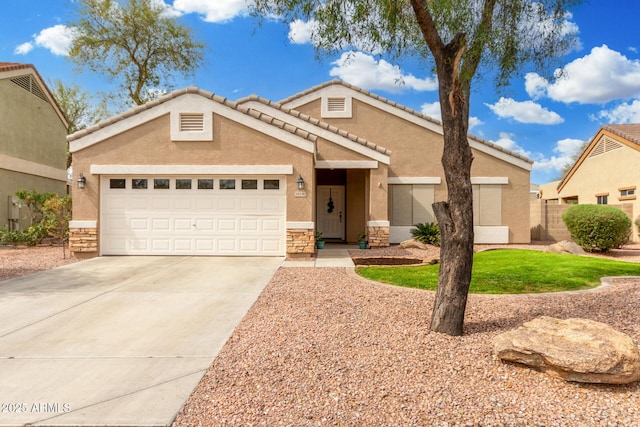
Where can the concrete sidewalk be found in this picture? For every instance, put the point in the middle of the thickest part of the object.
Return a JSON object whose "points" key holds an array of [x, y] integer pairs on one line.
{"points": [[332, 255], [118, 341]]}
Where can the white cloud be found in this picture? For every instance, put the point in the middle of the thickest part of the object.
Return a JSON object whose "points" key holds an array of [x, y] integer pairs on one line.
{"points": [[565, 149], [23, 49], [364, 71], [432, 109], [57, 39], [301, 32], [525, 112], [623, 113], [213, 10], [507, 142], [601, 76]]}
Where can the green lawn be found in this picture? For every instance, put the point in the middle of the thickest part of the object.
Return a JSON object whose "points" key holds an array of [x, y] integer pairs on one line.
{"points": [[513, 271]]}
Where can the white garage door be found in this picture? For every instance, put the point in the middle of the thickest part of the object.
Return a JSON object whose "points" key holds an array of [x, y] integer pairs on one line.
{"points": [[193, 215]]}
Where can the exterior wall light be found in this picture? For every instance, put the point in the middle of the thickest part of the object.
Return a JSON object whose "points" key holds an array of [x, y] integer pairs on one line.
{"points": [[300, 183], [82, 181]]}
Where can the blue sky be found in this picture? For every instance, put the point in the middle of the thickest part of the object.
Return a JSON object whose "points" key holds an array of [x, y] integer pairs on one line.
{"points": [[544, 120]]}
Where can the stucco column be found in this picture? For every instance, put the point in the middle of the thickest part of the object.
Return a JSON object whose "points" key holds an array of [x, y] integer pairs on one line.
{"points": [[378, 218]]}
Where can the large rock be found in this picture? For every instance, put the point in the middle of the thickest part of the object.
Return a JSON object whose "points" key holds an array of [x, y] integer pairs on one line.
{"points": [[573, 349], [565, 247], [413, 244]]}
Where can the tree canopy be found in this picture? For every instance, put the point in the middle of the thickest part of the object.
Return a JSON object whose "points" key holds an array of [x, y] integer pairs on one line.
{"points": [[134, 42], [463, 39]]}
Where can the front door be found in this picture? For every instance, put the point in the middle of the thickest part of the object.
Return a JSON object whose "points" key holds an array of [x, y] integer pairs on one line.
{"points": [[330, 211]]}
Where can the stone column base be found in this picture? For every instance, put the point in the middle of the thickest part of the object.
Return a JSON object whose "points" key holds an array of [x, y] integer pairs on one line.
{"points": [[83, 241], [378, 236], [301, 242]]}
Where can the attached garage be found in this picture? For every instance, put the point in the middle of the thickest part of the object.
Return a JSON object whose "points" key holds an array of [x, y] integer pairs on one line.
{"points": [[193, 215]]}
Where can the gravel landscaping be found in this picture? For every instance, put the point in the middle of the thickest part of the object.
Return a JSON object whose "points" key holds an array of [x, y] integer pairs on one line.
{"points": [[322, 347]]}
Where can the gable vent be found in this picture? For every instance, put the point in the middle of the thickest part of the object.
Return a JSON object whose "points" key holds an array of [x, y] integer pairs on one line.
{"points": [[27, 83], [336, 105], [605, 145], [191, 122]]}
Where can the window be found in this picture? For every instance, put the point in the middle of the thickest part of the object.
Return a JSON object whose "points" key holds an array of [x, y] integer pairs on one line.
{"points": [[139, 183], [602, 199], [205, 184], [627, 192], [411, 204], [183, 184], [271, 184], [227, 184], [117, 183], [487, 204], [161, 184], [249, 184]]}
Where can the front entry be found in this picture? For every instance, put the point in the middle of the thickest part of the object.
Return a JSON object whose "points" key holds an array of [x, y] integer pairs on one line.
{"points": [[331, 211]]}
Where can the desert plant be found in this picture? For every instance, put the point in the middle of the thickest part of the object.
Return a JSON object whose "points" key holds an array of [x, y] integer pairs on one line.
{"points": [[428, 233], [57, 214], [637, 221], [597, 228]]}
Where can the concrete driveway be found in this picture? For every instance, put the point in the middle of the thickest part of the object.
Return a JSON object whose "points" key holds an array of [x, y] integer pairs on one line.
{"points": [[118, 341]]}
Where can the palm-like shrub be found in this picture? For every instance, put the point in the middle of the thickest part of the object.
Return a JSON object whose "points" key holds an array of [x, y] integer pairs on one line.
{"points": [[597, 228], [428, 233]]}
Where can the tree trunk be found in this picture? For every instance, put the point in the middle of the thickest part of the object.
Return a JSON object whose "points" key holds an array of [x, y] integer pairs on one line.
{"points": [[455, 217]]}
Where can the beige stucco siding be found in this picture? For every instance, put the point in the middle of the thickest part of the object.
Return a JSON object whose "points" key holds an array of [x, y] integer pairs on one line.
{"points": [[330, 151], [233, 144], [417, 151], [30, 128]]}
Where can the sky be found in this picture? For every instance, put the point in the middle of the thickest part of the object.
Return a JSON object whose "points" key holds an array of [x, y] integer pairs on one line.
{"points": [[544, 119]]}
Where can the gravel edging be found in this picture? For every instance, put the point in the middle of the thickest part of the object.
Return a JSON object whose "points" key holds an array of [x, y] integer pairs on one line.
{"points": [[322, 348]]}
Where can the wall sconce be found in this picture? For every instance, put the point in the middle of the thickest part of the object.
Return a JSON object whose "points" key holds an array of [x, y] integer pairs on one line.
{"points": [[82, 181], [300, 183]]}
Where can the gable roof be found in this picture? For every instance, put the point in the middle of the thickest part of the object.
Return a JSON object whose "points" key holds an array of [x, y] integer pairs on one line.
{"points": [[622, 134], [407, 113], [106, 128], [14, 69]]}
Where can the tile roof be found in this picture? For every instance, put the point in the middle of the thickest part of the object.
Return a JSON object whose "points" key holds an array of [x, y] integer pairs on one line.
{"points": [[238, 107], [194, 90], [316, 122], [630, 132], [8, 66], [399, 106]]}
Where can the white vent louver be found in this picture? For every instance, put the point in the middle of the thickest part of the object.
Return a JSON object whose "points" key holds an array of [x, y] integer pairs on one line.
{"points": [[605, 145], [27, 83], [191, 122], [336, 105]]}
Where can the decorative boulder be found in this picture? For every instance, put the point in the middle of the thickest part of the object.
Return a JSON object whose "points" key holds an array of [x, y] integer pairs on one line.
{"points": [[573, 349], [565, 247], [413, 244]]}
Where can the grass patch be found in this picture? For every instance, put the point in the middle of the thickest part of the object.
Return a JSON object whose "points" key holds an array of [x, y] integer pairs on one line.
{"points": [[513, 271]]}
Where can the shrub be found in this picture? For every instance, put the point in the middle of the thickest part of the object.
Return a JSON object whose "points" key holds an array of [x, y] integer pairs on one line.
{"points": [[428, 233], [597, 228], [637, 221]]}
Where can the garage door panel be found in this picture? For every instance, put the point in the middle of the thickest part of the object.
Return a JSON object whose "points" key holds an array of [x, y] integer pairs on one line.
{"points": [[192, 222]]}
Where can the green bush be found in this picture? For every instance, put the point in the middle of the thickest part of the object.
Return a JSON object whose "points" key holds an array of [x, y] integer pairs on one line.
{"points": [[637, 221], [30, 237], [428, 233], [597, 228]]}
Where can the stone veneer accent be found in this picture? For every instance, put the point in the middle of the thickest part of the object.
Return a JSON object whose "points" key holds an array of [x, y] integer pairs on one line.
{"points": [[83, 240], [378, 236], [301, 242]]}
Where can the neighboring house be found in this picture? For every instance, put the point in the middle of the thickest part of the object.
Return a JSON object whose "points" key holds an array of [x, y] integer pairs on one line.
{"points": [[195, 173], [33, 147], [607, 172]]}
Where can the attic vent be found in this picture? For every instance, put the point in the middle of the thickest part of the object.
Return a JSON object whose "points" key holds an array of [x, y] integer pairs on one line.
{"points": [[605, 145], [27, 83], [191, 122], [336, 105]]}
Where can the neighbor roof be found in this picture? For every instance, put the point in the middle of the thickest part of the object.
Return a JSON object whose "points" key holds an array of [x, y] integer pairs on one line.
{"points": [[630, 132], [400, 107]]}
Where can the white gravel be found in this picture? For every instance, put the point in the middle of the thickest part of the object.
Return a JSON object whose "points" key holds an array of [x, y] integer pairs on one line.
{"points": [[324, 348]]}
